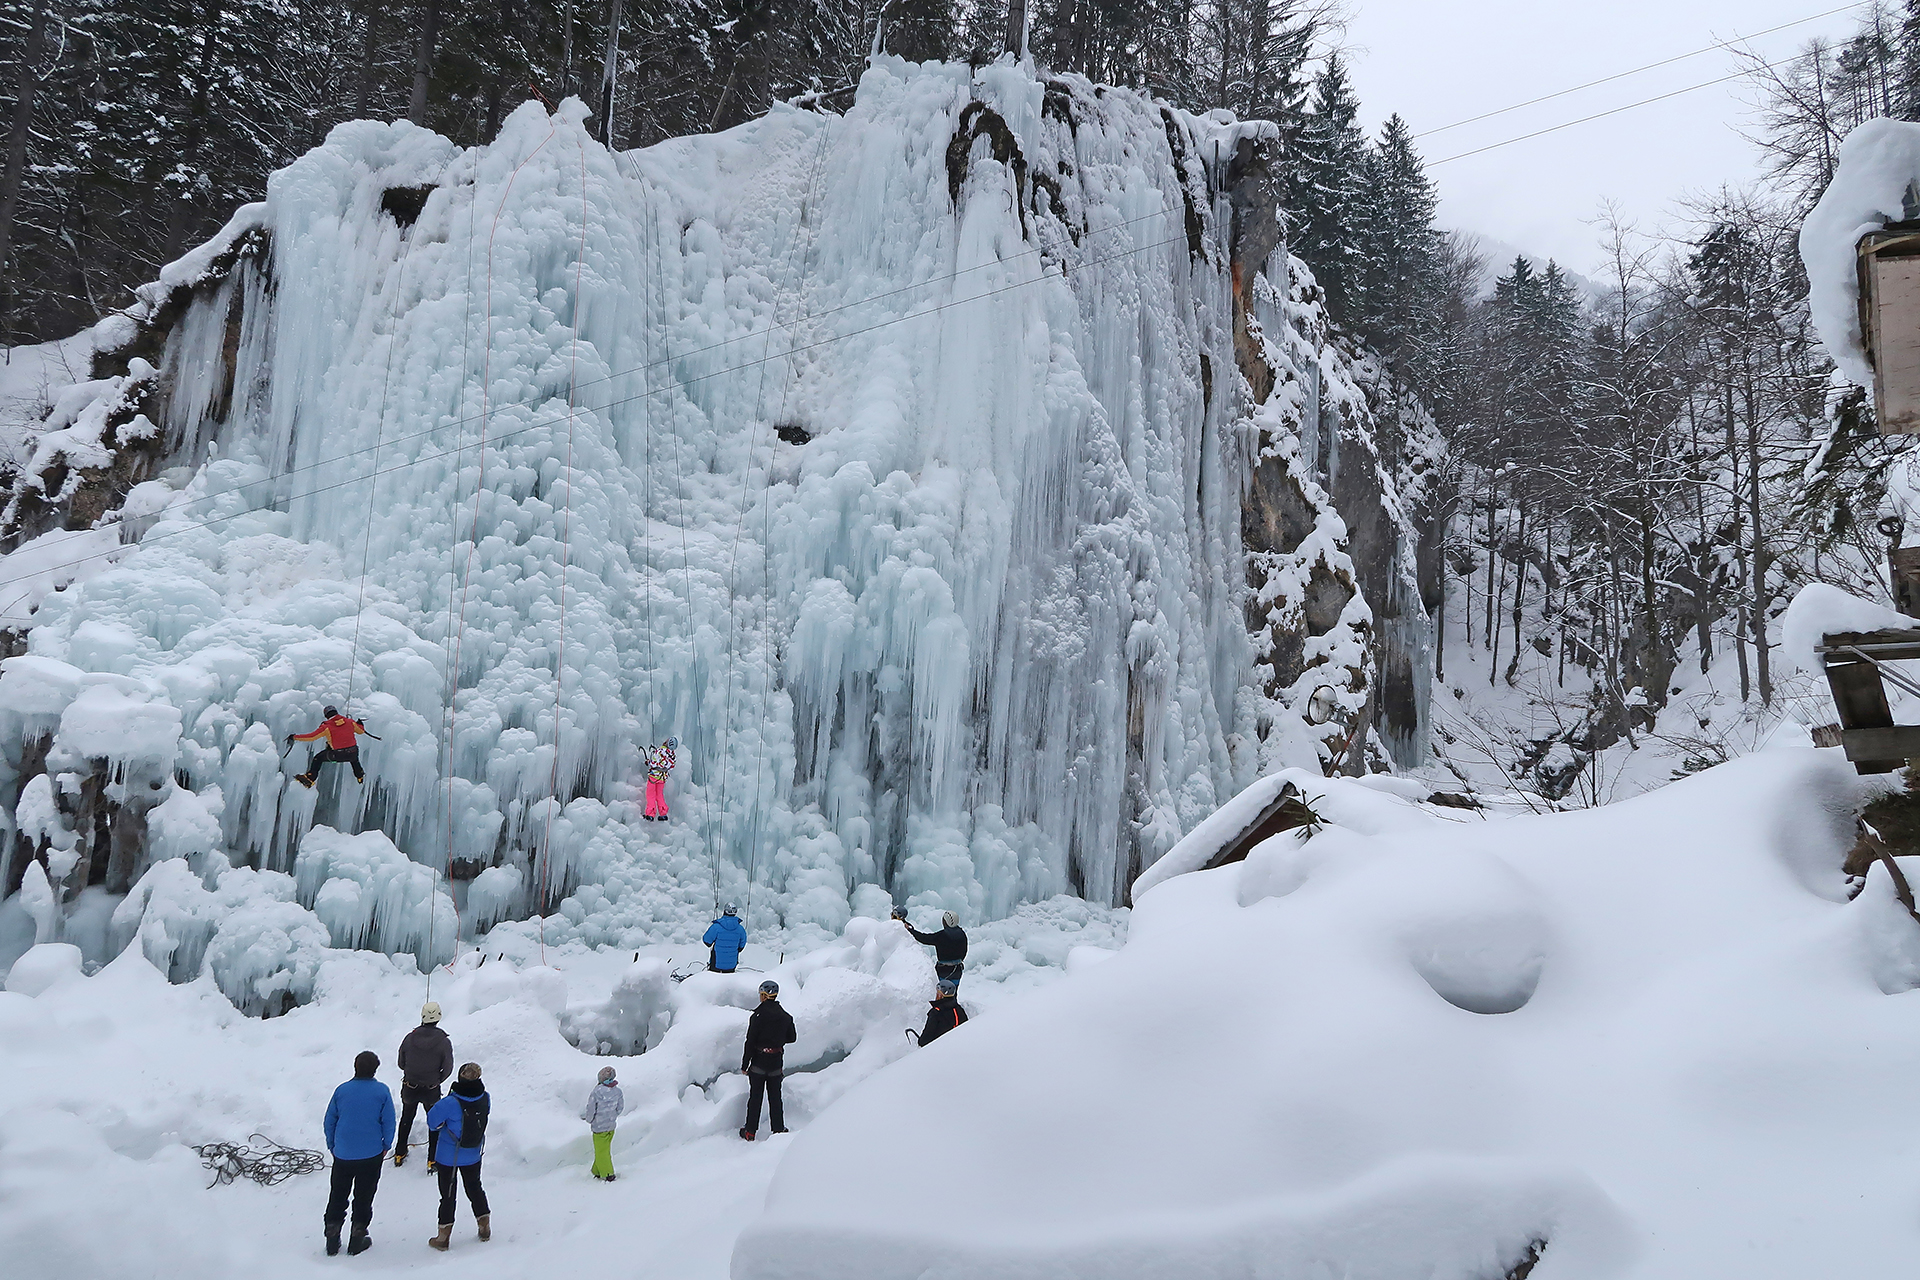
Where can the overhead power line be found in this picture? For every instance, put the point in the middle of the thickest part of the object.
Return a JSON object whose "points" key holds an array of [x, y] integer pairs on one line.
{"points": [[1715, 47], [1601, 115]]}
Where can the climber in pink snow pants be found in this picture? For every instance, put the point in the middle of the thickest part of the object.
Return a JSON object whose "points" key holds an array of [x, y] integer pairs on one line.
{"points": [[659, 765]]}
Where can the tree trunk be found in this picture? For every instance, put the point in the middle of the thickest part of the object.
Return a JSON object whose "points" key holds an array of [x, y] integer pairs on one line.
{"points": [[25, 84], [609, 75], [1017, 28], [1519, 593], [1739, 551], [363, 93], [1762, 561], [423, 61], [1490, 558], [566, 50], [196, 127]]}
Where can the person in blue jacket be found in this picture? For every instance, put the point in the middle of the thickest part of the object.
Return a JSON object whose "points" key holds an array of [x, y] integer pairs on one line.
{"points": [[359, 1129], [728, 938], [457, 1124]]}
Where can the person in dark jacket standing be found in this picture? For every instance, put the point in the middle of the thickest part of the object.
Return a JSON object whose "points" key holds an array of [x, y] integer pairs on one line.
{"points": [[949, 946], [944, 1014], [459, 1121], [769, 1032], [426, 1060], [359, 1128]]}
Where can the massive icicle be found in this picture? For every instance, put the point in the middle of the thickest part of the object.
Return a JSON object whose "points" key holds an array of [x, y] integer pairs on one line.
{"points": [[962, 480]]}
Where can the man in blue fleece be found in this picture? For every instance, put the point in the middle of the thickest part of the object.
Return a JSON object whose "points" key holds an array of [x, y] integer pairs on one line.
{"points": [[359, 1134], [728, 938]]}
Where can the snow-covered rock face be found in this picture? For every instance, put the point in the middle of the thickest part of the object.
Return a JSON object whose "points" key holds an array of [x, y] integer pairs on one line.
{"points": [[899, 464]]}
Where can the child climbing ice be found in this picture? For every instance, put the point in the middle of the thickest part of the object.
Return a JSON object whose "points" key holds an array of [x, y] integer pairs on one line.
{"points": [[659, 765]]}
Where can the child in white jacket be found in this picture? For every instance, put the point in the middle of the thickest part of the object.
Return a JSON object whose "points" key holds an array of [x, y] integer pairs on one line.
{"points": [[602, 1112]]}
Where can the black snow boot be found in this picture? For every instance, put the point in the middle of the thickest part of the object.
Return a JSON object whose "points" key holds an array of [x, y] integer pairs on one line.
{"points": [[747, 1134], [333, 1239], [303, 780], [359, 1242]]}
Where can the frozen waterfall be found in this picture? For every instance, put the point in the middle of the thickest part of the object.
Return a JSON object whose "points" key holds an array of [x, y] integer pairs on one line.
{"points": [[910, 466]]}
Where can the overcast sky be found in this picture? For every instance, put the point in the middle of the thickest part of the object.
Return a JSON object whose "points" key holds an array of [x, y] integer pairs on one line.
{"points": [[1437, 63]]}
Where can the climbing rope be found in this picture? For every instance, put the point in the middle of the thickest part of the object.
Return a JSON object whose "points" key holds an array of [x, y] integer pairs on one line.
{"points": [[746, 499], [479, 493], [537, 423], [269, 1163], [766, 520], [566, 547]]}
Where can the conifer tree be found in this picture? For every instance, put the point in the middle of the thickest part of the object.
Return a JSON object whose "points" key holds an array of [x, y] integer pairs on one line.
{"points": [[1328, 197]]}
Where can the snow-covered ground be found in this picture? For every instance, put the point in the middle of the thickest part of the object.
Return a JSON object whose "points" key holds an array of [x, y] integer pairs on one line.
{"points": [[1655, 1036], [110, 1079], [1414, 1042]]}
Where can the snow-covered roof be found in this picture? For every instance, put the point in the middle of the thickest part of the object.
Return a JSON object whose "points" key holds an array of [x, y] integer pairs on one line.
{"points": [[1878, 161]]}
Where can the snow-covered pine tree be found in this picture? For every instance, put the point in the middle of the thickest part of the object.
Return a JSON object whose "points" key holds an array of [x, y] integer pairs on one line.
{"points": [[1399, 270], [1328, 200]]}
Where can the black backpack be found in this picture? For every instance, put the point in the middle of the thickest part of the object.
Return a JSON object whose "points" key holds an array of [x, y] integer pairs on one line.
{"points": [[473, 1121]]}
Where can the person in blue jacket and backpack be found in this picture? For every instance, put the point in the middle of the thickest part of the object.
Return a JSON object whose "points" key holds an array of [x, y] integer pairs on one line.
{"points": [[728, 938], [359, 1128], [457, 1124]]}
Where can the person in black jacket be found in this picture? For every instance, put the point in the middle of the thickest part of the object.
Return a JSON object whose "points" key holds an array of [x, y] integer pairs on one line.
{"points": [[769, 1032], [944, 1014], [949, 946], [426, 1060]]}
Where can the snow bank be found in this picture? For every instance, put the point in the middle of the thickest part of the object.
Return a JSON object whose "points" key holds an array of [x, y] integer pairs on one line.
{"points": [[1299, 1065], [1879, 161]]}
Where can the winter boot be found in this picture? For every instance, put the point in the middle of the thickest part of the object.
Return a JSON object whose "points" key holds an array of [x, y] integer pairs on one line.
{"points": [[333, 1239], [440, 1241], [399, 1156], [747, 1134], [304, 780], [486, 1228], [359, 1242]]}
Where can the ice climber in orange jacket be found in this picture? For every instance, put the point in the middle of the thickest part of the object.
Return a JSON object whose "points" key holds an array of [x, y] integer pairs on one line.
{"points": [[341, 748]]}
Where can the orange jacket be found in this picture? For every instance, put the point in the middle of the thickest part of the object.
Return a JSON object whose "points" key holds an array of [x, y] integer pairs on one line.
{"points": [[340, 732]]}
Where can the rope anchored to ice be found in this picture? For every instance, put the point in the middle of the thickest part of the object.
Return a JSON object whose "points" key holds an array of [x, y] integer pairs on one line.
{"points": [[269, 1163]]}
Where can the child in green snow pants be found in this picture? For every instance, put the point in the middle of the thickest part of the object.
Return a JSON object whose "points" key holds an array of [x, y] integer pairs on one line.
{"points": [[603, 1156], [603, 1109]]}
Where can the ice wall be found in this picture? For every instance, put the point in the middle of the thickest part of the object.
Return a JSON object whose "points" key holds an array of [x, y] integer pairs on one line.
{"points": [[899, 463]]}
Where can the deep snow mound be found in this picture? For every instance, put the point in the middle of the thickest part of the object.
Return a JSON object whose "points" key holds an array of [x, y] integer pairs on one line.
{"points": [[969, 482], [1628, 1042]]}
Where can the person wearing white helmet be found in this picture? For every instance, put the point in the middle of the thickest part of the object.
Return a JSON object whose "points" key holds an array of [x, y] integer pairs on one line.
{"points": [[726, 938], [426, 1060], [949, 945], [660, 762]]}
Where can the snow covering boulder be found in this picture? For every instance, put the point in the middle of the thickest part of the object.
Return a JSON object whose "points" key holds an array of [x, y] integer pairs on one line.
{"points": [[261, 947], [1624, 1042], [44, 966]]}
